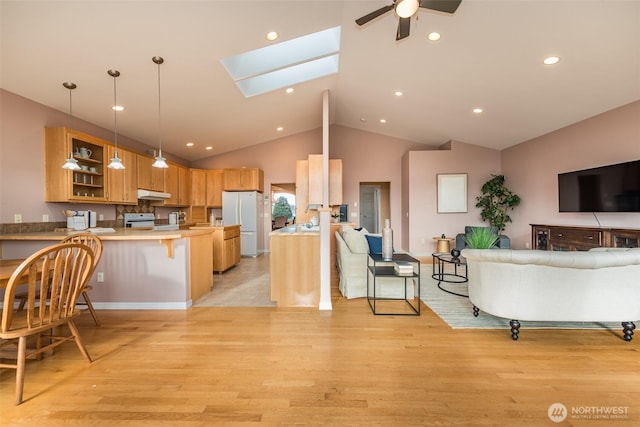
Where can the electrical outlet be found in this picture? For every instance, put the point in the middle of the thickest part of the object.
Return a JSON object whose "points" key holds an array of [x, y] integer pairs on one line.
{"points": [[100, 276], [17, 218], [100, 217], [45, 218]]}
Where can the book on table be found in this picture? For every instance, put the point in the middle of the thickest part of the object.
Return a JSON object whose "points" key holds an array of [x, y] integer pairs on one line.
{"points": [[403, 268]]}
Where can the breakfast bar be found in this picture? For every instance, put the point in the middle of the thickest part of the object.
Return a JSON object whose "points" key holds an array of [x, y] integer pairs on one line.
{"points": [[139, 269]]}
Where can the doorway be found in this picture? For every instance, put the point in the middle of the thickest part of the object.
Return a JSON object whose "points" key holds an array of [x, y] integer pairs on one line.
{"points": [[375, 205], [283, 202]]}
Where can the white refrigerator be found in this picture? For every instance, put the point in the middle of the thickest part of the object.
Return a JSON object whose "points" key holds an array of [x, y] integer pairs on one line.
{"points": [[246, 209]]}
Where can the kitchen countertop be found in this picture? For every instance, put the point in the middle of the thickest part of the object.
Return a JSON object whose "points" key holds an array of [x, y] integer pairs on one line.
{"points": [[295, 230], [118, 234]]}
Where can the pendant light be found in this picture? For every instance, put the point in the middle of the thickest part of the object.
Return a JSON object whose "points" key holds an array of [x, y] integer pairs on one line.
{"points": [[70, 163], [160, 161], [115, 163]]}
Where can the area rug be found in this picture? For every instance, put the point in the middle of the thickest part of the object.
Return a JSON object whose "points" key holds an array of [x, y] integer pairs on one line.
{"points": [[457, 311]]}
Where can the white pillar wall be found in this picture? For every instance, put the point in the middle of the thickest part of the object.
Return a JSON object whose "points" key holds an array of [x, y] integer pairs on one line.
{"points": [[325, 213]]}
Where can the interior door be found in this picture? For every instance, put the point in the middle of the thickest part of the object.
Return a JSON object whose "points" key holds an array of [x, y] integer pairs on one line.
{"points": [[369, 208]]}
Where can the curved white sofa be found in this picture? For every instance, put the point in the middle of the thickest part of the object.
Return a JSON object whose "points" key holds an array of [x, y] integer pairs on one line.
{"points": [[601, 285]]}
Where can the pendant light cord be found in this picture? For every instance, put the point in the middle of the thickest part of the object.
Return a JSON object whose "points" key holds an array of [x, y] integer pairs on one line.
{"points": [[115, 114], [159, 61]]}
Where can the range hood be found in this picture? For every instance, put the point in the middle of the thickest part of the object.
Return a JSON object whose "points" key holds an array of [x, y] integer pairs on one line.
{"points": [[152, 195]]}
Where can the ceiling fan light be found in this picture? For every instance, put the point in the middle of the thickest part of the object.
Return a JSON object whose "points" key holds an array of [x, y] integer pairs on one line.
{"points": [[406, 8]]}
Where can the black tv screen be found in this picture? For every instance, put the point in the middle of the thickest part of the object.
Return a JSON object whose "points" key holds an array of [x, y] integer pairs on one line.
{"points": [[612, 188]]}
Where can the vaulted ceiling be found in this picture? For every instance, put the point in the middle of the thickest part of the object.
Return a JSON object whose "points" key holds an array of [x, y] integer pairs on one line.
{"points": [[490, 56]]}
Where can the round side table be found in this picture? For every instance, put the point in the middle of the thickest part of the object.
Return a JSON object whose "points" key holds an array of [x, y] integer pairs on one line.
{"points": [[444, 244]]}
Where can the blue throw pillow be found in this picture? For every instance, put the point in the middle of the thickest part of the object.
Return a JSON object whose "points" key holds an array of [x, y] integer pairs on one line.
{"points": [[375, 243]]}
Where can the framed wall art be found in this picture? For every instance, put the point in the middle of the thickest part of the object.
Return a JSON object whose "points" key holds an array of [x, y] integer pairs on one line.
{"points": [[452, 192]]}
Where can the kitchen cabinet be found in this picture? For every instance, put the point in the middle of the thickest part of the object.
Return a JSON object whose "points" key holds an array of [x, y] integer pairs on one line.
{"points": [[226, 246], [149, 178], [215, 181], [88, 185], [570, 238], [295, 268], [177, 181], [198, 187], [123, 183], [309, 185], [243, 179]]}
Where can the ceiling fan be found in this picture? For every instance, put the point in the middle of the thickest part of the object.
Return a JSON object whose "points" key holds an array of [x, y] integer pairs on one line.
{"points": [[405, 9]]}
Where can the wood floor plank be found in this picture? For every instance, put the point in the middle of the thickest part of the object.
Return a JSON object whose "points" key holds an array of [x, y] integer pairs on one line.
{"points": [[271, 366]]}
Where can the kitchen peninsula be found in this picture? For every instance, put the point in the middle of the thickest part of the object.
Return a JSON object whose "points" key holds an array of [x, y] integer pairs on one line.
{"points": [[295, 266], [141, 269]]}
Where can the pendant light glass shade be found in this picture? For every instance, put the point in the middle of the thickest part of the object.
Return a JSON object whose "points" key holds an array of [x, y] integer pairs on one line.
{"points": [[406, 8], [70, 163], [160, 161], [115, 162]]}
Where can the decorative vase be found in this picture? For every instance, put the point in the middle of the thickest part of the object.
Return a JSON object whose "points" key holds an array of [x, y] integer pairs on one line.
{"points": [[387, 241]]}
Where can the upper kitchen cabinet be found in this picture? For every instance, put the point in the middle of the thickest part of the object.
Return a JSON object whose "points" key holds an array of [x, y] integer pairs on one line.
{"points": [[123, 183], [315, 183], [215, 181], [243, 179], [87, 185], [198, 187], [177, 181], [149, 178]]}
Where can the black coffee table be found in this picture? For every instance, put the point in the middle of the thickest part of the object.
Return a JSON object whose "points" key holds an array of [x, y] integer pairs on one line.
{"points": [[459, 275]]}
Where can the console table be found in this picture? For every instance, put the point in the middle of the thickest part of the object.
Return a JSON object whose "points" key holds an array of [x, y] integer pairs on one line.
{"points": [[378, 267], [572, 238]]}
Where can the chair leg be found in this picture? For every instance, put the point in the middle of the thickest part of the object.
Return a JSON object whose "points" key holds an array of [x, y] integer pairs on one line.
{"points": [[20, 364], [87, 300], [78, 340]]}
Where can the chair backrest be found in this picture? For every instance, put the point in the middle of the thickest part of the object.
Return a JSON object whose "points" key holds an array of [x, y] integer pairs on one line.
{"points": [[90, 240], [54, 276], [279, 221]]}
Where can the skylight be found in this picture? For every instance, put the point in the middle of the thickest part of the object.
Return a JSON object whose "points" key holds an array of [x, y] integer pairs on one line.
{"points": [[287, 63]]}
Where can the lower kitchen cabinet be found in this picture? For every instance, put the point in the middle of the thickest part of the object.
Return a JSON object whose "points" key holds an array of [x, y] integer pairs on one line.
{"points": [[226, 246]]}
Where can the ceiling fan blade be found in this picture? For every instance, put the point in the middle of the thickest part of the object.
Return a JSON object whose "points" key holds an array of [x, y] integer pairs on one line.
{"points": [[373, 15], [403, 28], [448, 6]]}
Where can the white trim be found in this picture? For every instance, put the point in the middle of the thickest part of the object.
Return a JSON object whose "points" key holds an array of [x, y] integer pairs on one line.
{"points": [[183, 305]]}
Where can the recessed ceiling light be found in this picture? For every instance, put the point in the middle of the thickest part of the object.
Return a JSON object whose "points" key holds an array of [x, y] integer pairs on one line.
{"points": [[289, 90], [398, 93], [383, 121], [209, 148], [478, 110], [279, 128], [272, 35], [433, 36], [362, 119], [189, 144], [118, 108], [551, 60]]}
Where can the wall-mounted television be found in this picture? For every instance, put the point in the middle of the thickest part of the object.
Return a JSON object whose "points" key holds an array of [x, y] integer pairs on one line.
{"points": [[612, 188]]}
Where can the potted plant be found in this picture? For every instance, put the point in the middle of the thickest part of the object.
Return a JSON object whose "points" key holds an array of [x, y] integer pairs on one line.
{"points": [[481, 238], [335, 216], [496, 200]]}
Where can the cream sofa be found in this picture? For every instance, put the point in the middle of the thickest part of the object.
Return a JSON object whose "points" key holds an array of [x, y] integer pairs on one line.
{"points": [[601, 285], [351, 262]]}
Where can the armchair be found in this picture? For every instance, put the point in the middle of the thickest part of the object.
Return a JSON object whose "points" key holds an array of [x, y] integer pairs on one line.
{"points": [[503, 241]]}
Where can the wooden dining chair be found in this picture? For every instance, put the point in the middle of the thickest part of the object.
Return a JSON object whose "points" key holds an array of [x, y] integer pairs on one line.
{"points": [[95, 244], [55, 277]]}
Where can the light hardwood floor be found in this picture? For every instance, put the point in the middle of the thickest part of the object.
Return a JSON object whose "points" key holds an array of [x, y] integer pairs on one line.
{"points": [[270, 366]]}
